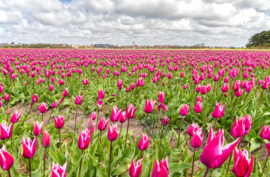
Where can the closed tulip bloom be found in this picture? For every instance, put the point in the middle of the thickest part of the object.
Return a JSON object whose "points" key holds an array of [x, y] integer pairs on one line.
{"points": [[238, 128], [184, 110], [163, 83], [208, 87], [6, 159], [8, 111], [165, 121], [248, 123], [181, 74], [225, 87], [65, 93], [199, 99], [185, 87], [112, 132], [127, 89], [198, 88], [236, 86], [6, 131], [51, 87], [29, 147], [84, 139], [149, 106], [42, 107], [15, 117], [46, 140], [192, 128], [144, 142], [239, 92], [197, 138], [59, 121], [85, 81], [226, 79], [93, 115], [216, 78], [91, 126], [203, 90], [58, 171], [99, 103], [265, 131], [6, 97], [265, 85], [219, 111], [161, 96], [115, 114], [131, 111], [215, 153], [123, 117], [101, 94], [170, 75], [102, 125], [2, 89], [55, 104], [198, 107], [132, 86], [37, 128], [242, 165], [78, 100], [161, 169], [35, 98], [135, 169]]}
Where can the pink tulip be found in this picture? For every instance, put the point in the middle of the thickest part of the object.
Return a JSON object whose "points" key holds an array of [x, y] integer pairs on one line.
{"points": [[35, 98], [58, 171], [225, 87], [268, 148], [242, 165], [135, 170], [149, 106], [161, 169], [198, 107], [6, 131], [123, 117], [248, 123], [265, 131], [132, 86], [101, 94], [93, 115], [238, 128], [208, 87], [84, 139], [163, 106], [239, 92], [65, 93], [112, 132], [102, 125], [46, 140], [15, 117], [42, 107], [78, 100], [197, 137], [127, 89], [131, 111], [85, 81], [6, 97], [165, 121], [161, 96], [215, 153], [29, 147], [115, 114], [144, 142], [184, 110], [59, 121], [192, 128], [37, 128], [6, 159], [55, 104], [265, 84], [219, 111], [91, 126]]}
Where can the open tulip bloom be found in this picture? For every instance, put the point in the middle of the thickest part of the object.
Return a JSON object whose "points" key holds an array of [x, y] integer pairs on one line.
{"points": [[161, 169], [135, 169], [6, 159], [58, 171], [242, 165]]}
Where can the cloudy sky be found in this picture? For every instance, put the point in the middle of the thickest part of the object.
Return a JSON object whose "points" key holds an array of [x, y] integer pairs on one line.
{"points": [[147, 22]]}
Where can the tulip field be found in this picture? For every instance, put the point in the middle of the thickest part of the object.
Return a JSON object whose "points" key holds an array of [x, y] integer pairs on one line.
{"points": [[147, 113]]}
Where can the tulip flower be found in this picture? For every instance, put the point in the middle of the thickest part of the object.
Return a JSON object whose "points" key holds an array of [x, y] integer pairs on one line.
{"points": [[101, 94], [238, 128], [197, 109], [78, 99], [15, 117], [6, 97], [165, 121], [6, 131], [42, 108], [59, 123], [46, 141], [248, 123], [161, 96], [131, 111], [192, 128], [122, 118], [84, 139], [144, 142], [29, 147], [196, 142], [55, 104], [115, 114], [239, 92], [215, 153], [6, 159], [37, 128], [102, 125], [65, 93], [161, 169], [135, 169], [149, 106], [58, 171], [242, 165], [218, 112], [225, 87], [265, 131], [85, 81], [183, 112], [93, 115], [112, 136]]}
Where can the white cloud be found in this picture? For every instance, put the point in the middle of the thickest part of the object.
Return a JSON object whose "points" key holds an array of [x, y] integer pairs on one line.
{"points": [[184, 22]]}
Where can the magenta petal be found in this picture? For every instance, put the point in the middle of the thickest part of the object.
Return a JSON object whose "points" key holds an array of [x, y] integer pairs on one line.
{"points": [[250, 168], [226, 152]]}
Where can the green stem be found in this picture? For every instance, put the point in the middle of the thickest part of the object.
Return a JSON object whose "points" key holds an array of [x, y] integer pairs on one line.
{"points": [[193, 162], [109, 172]]}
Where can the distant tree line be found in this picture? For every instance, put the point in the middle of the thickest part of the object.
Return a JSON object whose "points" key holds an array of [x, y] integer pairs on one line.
{"points": [[261, 39]]}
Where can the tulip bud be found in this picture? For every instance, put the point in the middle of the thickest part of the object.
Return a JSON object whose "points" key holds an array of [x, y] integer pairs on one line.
{"points": [[185, 87], [198, 107], [123, 117], [101, 94], [197, 137], [225, 87], [165, 121], [59, 121], [149, 106], [37, 128], [184, 110], [248, 123], [192, 128], [6, 97], [131, 111], [84, 139], [102, 125], [135, 170], [55, 104], [161, 169], [161, 96], [238, 128], [93, 115], [78, 100], [242, 165], [29, 147], [15, 117], [6, 131], [219, 111], [46, 140], [6, 159], [144, 142], [112, 132]]}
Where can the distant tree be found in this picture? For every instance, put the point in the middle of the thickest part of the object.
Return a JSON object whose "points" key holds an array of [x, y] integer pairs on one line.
{"points": [[261, 39]]}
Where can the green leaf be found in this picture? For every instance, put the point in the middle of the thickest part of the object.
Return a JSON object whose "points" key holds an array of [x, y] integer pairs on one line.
{"points": [[255, 143], [100, 172], [178, 167]]}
